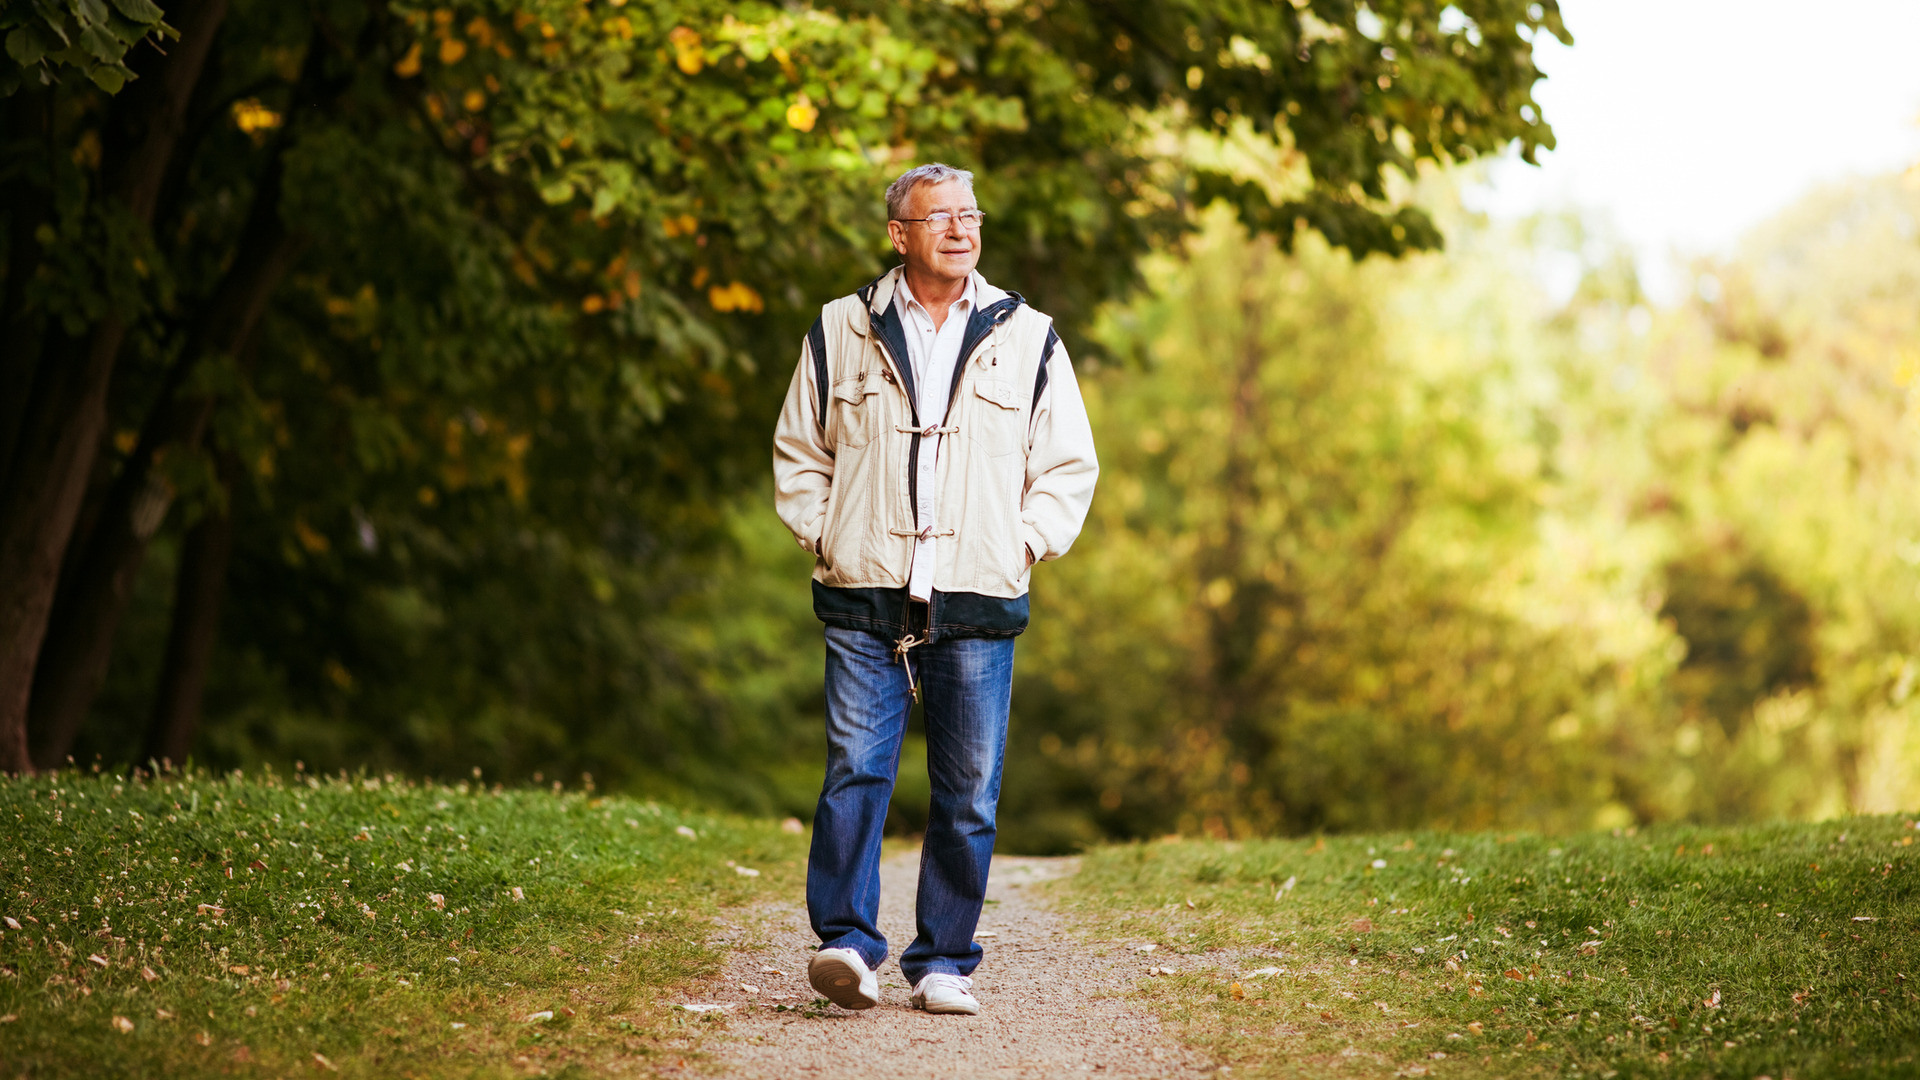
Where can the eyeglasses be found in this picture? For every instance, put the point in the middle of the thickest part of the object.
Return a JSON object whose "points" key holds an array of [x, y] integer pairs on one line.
{"points": [[940, 220]]}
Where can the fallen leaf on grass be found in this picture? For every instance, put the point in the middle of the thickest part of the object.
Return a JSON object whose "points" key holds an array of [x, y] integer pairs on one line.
{"points": [[746, 871], [162, 1014], [13, 923], [239, 969], [518, 894], [1285, 888], [1476, 1027], [203, 1039], [123, 1025], [210, 909], [1239, 992], [1515, 974], [1361, 926], [320, 1059], [458, 1026], [686, 832], [256, 865], [96, 958], [792, 825], [1712, 1002], [539, 1017], [149, 974], [438, 901]]}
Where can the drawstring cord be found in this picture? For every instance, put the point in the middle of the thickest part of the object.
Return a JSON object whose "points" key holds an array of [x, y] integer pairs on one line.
{"points": [[900, 650]]}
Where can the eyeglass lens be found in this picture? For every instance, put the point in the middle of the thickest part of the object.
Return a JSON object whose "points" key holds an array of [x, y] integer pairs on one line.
{"points": [[940, 220]]}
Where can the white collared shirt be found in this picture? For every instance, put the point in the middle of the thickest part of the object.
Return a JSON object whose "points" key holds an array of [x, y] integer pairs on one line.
{"points": [[933, 354]]}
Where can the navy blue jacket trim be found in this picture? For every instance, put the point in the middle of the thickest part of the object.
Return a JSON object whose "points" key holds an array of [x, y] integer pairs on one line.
{"points": [[1046, 357], [817, 344], [979, 326], [949, 615]]}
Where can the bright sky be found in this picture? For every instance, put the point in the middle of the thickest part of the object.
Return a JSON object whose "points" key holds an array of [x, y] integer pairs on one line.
{"points": [[1688, 121]]}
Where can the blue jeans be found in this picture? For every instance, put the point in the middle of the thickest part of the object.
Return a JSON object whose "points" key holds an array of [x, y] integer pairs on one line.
{"points": [[967, 684]]}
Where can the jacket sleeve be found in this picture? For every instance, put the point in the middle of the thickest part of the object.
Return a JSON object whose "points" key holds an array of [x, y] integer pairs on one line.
{"points": [[1061, 467], [802, 459]]}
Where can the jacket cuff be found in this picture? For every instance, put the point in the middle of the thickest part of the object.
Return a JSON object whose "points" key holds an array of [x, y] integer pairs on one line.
{"points": [[1035, 543]]}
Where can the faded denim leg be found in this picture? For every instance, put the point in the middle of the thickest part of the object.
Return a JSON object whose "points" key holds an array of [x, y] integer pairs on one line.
{"points": [[867, 704], [967, 684]]}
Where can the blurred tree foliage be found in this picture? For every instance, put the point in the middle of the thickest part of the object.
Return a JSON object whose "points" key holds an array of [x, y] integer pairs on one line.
{"points": [[427, 345], [1396, 544]]}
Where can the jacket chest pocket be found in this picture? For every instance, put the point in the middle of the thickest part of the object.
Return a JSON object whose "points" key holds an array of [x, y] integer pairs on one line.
{"points": [[859, 408], [996, 423]]}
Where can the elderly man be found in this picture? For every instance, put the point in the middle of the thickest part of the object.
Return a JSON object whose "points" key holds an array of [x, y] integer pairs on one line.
{"points": [[933, 447]]}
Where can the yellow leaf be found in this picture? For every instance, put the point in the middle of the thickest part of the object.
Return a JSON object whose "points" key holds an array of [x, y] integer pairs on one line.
{"points": [[474, 101], [688, 55], [451, 50], [802, 114], [409, 65]]}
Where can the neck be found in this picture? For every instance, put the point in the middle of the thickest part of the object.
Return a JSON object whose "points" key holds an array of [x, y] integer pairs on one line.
{"points": [[934, 293]]}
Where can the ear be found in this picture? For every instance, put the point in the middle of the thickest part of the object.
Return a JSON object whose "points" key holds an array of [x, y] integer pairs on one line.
{"points": [[898, 234]]}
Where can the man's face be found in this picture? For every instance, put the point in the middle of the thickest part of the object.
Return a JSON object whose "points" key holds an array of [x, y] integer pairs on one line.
{"points": [[947, 255]]}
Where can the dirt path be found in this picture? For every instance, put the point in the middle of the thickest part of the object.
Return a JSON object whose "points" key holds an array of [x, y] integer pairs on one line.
{"points": [[1051, 1004]]}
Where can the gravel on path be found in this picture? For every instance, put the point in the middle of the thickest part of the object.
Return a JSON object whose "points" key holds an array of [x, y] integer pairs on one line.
{"points": [[1052, 1004]]}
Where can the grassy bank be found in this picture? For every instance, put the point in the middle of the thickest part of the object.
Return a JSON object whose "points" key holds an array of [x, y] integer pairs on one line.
{"points": [[272, 925], [1787, 951]]}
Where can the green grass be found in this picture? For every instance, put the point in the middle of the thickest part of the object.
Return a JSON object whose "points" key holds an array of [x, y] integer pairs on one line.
{"points": [[1782, 951], [256, 925]]}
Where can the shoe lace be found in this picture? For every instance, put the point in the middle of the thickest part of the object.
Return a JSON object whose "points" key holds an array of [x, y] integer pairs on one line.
{"points": [[941, 978]]}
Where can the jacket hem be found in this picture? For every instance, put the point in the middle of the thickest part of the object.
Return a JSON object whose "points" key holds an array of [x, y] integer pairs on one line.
{"points": [[883, 611]]}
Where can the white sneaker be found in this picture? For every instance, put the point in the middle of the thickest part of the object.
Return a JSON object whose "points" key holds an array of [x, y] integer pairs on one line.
{"points": [[944, 993], [844, 979]]}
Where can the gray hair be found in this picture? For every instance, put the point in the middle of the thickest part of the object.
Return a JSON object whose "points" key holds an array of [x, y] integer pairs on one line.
{"points": [[934, 173]]}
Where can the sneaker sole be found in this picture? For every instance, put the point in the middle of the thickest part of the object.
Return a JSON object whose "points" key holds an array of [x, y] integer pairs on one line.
{"points": [[951, 1010], [839, 982]]}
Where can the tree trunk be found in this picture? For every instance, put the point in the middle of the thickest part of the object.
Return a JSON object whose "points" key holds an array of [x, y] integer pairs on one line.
{"points": [[37, 510], [94, 594], [190, 639], [50, 461]]}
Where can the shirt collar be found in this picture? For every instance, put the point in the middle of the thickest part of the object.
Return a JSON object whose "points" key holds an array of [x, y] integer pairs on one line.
{"points": [[968, 296]]}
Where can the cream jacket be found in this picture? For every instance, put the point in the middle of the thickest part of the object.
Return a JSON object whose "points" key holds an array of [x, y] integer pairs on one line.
{"points": [[1016, 471]]}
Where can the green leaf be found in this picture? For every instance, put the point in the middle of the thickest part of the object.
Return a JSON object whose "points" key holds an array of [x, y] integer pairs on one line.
{"points": [[26, 46], [55, 18], [140, 11], [101, 44], [109, 77], [90, 12], [557, 192]]}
